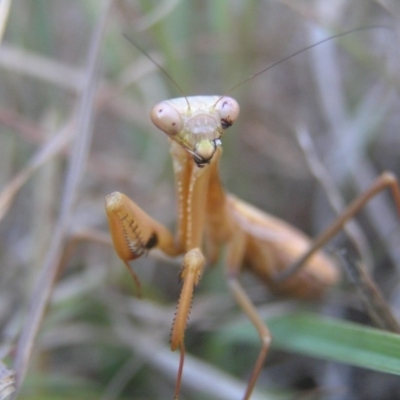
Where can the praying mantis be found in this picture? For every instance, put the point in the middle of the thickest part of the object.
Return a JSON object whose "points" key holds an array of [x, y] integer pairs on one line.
{"points": [[211, 222]]}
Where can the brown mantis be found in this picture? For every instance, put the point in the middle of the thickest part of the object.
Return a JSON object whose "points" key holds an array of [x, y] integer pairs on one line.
{"points": [[209, 220]]}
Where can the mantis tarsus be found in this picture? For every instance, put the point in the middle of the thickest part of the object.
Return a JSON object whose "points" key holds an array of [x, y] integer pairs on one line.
{"points": [[209, 219]]}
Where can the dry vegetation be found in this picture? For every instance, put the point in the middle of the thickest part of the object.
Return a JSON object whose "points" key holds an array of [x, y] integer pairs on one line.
{"points": [[74, 105]]}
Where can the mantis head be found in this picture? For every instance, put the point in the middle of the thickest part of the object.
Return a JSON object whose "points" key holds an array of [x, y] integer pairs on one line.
{"points": [[196, 123]]}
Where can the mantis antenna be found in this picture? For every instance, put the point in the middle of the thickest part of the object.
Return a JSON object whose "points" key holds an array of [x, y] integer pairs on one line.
{"points": [[158, 65], [249, 78]]}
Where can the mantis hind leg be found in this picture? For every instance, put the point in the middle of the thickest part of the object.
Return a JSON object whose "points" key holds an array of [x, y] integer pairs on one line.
{"points": [[370, 293], [234, 260], [384, 181]]}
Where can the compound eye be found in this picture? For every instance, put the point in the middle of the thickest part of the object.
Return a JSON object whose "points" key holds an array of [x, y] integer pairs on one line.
{"points": [[166, 118], [228, 110]]}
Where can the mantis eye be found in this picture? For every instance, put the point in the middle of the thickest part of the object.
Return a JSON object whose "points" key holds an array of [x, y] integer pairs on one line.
{"points": [[228, 110], [166, 118]]}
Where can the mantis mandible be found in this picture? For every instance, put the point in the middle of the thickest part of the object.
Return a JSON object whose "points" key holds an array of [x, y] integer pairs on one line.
{"points": [[209, 219]]}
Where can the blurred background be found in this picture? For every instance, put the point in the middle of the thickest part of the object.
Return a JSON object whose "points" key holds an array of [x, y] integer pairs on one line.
{"points": [[75, 98]]}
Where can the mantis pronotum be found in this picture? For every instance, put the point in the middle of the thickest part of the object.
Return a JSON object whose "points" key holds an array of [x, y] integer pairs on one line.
{"points": [[210, 219]]}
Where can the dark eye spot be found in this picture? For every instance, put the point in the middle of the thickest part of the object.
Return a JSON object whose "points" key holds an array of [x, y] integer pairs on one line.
{"points": [[226, 123], [153, 240]]}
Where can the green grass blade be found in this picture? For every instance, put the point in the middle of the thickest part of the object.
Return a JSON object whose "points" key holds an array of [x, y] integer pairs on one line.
{"points": [[329, 339]]}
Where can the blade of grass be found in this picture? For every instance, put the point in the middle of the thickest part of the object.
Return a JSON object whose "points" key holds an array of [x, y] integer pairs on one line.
{"points": [[44, 154], [44, 286], [328, 339], [4, 13]]}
